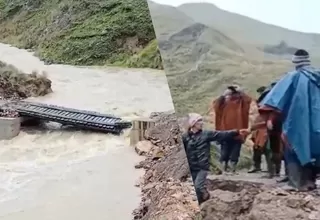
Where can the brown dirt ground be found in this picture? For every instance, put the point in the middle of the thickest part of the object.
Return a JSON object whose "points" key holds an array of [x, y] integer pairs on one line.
{"points": [[241, 200], [167, 194]]}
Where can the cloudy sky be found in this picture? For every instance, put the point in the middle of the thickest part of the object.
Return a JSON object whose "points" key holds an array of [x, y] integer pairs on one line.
{"points": [[299, 15]]}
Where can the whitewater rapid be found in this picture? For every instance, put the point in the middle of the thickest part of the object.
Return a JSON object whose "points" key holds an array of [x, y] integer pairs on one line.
{"points": [[56, 174]]}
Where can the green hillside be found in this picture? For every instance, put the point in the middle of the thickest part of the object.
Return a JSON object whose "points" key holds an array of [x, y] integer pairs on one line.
{"points": [[79, 32]]}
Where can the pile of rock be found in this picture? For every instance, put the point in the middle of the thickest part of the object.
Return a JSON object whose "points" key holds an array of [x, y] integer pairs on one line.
{"points": [[8, 113], [167, 192], [15, 85]]}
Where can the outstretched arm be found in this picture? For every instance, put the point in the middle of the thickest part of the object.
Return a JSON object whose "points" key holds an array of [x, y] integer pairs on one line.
{"points": [[220, 136]]}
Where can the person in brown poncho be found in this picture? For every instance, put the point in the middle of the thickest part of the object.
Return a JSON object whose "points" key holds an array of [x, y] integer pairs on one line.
{"points": [[259, 138], [231, 111], [266, 142]]}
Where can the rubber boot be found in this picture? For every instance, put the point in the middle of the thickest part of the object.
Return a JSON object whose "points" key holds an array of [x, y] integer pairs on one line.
{"points": [[256, 168], [202, 196], [286, 178], [283, 180], [233, 167], [308, 181], [223, 167], [315, 173], [199, 196], [205, 195], [257, 161], [226, 167], [271, 169], [277, 169], [294, 175], [286, 171], [270, 173]]}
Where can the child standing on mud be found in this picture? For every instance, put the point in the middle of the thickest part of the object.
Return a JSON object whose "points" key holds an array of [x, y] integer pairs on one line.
{"points": [[197, 143]]}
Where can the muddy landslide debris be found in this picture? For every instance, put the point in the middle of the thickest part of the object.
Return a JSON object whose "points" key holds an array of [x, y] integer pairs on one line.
{"points": [[167, 193], [15, 85], [240, 200]]}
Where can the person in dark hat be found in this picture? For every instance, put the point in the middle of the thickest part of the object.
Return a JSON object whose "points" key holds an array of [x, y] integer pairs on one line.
{"points": [[259, 139]]}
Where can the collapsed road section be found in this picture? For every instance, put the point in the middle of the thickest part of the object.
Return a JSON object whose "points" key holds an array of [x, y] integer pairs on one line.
{"points": [[67, 116]]}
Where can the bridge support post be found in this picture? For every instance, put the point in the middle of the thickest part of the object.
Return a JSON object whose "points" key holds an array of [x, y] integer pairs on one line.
{"points": [[138, 130], [9, 128]]}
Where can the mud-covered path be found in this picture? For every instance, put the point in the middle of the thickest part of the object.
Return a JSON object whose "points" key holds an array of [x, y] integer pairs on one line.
{"points": [[249, 196]]}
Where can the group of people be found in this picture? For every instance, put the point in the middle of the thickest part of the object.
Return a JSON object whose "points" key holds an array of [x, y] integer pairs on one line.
{"points": [[287, 128]]}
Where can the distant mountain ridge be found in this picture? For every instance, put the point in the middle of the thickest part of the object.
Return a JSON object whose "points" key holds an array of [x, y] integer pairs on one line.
{"points": [[204, 49], [167, 19], [247, 30]]}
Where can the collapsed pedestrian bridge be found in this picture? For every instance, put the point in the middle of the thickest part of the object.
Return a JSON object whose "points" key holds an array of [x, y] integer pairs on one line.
{"points": [[81, 119]]}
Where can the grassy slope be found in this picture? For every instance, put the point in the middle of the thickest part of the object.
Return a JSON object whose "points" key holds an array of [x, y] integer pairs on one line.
{"points": [[219, 59], [79, 32], [148, 57]]}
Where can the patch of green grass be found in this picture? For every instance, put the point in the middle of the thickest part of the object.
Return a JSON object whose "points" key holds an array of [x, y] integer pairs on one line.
{"points": [[148, 57], [194, 90], [79, 32]]}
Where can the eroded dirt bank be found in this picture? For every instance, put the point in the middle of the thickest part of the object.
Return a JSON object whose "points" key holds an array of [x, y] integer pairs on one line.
{"points": [[15, 84], [168, 192], [241, 200]]}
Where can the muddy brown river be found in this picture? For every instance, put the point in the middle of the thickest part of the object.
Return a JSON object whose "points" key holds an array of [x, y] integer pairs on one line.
{"points": [[54, 174]]}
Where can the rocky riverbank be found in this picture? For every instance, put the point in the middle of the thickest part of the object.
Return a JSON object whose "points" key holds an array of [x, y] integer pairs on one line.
{"points": [[16, 85]]}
